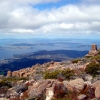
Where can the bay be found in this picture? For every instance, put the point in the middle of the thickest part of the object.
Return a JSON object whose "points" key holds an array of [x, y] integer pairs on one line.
{"points": [[8, 53]]}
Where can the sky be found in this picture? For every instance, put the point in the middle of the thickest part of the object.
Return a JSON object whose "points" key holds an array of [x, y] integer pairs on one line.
{"points": [[50, 19]]}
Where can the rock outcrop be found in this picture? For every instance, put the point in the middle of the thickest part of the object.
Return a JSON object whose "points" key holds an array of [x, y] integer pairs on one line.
{"points": [[93, 50], [9, 74], [96, 85], [81, 86]]}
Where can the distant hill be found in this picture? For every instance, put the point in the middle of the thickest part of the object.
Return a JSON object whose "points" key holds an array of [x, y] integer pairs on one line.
{"points": [[29, 59]]}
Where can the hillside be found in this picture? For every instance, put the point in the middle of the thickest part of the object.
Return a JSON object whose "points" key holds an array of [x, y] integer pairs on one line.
{"points": [[76, 79]]}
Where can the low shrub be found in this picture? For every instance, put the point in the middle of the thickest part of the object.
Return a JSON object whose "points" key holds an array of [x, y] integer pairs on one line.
{"points": [[69, 96], [5, 83], [68, 73], [8, 81], [14, 79], [92, 68], [53, 75], [96, 57], [20, 87], [75, 60]]}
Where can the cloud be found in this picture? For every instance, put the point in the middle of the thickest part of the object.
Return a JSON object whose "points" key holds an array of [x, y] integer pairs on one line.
{"points": [[89, 2], [72, 19], [33, 2]]}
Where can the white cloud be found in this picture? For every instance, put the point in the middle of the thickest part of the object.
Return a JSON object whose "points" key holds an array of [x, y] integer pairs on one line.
{"points": [[22, 31], [18, 17], [89, 2], [23, 2]]}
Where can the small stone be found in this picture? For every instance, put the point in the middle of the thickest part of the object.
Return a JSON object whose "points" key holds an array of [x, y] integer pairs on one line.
{"points": [[49, 93], [81, 97]]}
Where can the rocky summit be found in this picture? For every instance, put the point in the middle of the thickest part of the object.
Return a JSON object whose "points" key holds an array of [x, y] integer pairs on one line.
{"points": [[77, 79], [93, 50]]}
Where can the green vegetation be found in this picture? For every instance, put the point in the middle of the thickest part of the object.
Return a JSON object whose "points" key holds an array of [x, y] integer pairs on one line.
{"points": [[61, 99], [68, 96], [7, 81], [68, 73], [32, 98], [53, 75], [88, 57], [92, 68], [13, 79], [97, 57], [75, 60]]}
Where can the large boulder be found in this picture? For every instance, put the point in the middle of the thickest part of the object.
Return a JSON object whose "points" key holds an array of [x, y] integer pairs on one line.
{"points": [[60, 90], [15, 74], [9, 74], [87, 77], [38, 89], [49, 88], [49, 93], [77, 84], [97, 92], [96, 85], [21, 74]]}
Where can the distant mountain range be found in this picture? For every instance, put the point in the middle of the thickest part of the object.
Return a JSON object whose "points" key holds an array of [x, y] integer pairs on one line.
{"points": [[29, 59]]}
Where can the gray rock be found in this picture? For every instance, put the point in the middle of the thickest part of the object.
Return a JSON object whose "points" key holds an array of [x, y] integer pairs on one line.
{"points": [[81, 97], [87, 77], [96, 78], [38, 89]]}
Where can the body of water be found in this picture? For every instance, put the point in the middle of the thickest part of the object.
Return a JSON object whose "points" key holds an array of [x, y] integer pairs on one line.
{"points": [[8, 53]]}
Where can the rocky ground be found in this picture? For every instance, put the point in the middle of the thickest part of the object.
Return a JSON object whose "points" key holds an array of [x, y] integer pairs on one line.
{"points": [[78, 79]]}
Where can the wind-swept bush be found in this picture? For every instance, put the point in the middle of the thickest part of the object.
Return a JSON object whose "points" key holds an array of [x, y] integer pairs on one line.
{"points": [[68, 73], [92, 68], [51, 75], [75, 60], [65, 73], [5, 83]]}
